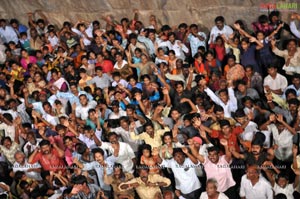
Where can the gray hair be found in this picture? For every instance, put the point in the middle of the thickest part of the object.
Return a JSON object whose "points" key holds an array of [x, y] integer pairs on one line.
{"points": [[212, 181]]}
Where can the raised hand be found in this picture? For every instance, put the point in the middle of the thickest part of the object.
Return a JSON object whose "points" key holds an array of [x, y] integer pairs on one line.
{"points": [[272, 118], [224, 142]]}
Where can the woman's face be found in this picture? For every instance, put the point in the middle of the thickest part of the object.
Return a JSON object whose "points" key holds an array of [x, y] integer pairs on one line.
{"points": [[144, 59], [118, 58], [24, 54]]}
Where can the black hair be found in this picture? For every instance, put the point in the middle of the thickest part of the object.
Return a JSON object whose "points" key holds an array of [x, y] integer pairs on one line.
{"points": [[218, 108], [219, 18], [224, 123], [44, 143], [81, 179], [263, 19], [213, 148], [177, 150], [98, 150], [81, 148], [239, 113]]}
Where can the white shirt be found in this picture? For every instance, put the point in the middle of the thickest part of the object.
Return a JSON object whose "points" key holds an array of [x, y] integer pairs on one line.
{"points": [[9, 130], [215, 31], [32, 146], [88, 31], [249, 131], [261, 190], [280, 82], [53, 120], [82, 112], [205, 196], [32, 174], [294, 29], [287, 190], [53, 40], [124, 157], [8, 34], [195, 42], [283, 140], [231, 105], [179, 50], [125, 135], [90, 142], [185, 175], [114, 116]]}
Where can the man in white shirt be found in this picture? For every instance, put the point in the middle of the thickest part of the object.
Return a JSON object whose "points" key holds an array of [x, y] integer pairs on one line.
{"points": [[81, 111], [275, 82], [226, 98], [179, 48], [184, 170], [254, 185], [90, 137], [122, 152], [7, 33], [219, 29]]}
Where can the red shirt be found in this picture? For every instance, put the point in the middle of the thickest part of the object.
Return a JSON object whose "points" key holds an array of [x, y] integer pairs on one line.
{"points": [[233, 138], [106, 65], [51, 163]]}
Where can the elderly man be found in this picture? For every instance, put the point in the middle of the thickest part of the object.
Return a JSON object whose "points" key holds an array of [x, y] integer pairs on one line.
{"points": [[31, 170]]}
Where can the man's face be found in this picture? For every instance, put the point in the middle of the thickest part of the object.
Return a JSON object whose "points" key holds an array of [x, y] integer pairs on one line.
{"points": [[175, 115], [255, 149], [83, 100], [150, 130], [211, 189], [213, 156], [117, 172], [179, 158], [99, 157], [179, 88], [113, 139], [223, 96], [144, 175], [220, 115], [20, 158], [252, 173], [45, 149], [220, 25], [226, 129]]}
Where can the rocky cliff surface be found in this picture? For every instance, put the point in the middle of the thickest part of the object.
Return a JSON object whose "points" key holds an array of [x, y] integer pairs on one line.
{"points": [[171, 12]]}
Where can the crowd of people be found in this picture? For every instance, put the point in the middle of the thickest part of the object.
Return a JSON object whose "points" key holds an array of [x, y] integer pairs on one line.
{"points": [[136, 109]]}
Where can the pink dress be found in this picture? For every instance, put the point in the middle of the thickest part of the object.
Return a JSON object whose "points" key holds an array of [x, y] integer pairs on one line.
{"points": [[24, 63]]}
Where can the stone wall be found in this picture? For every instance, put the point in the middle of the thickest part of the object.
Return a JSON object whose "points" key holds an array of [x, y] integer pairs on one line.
{"points": [[171, 12]]}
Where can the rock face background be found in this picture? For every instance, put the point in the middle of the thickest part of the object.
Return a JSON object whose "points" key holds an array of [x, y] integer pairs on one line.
{"points": [[172, 12]]}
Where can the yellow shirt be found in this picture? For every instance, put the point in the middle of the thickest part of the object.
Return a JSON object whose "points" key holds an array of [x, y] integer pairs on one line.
{"points": [[155, 141], [83, 83], [144, 191]]}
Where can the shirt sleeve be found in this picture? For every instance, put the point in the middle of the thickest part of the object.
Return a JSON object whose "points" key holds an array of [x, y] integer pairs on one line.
{"points": [[158, 178], [88, 166], [166, 163], [294, 29]]}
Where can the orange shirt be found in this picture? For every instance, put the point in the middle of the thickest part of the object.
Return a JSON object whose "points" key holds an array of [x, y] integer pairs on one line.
{"points": [[233, 138]]}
